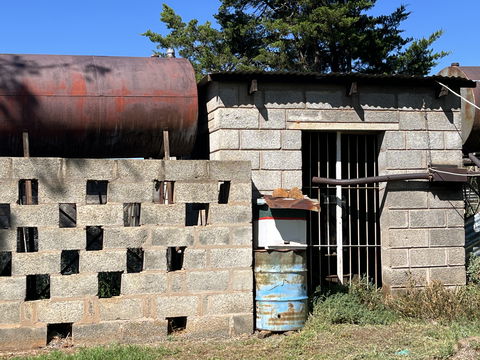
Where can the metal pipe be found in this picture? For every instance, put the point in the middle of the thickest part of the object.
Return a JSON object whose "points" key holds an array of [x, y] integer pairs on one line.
{"points": [[474, 159], [371, 179]]}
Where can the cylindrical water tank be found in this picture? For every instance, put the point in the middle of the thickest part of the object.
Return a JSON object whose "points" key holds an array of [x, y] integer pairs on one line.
{"points": [[96, 106]]}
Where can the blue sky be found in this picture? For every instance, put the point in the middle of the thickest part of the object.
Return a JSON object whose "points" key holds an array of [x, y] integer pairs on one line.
{"points": [[113, 27]]}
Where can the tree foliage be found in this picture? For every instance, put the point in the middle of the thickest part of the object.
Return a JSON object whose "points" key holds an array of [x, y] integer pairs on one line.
{"points": [[298, 35]]}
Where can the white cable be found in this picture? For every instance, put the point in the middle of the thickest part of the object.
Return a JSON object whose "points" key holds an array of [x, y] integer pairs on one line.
{"points": [[460, 96], [456, 174]]}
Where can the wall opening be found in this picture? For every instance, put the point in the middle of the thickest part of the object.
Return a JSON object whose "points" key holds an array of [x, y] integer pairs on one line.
{"points": [[4, 216], [109, 284], [196, 214], [97, 191], [27, 239], [134, 260], [38, 287], [67, 215], [163, 192], [94, 238], [175, 256], [223, 192], [344, 237], [131, 214], [28, 192], [5, 263], [57, 333], [176, 324], [69, 263]]}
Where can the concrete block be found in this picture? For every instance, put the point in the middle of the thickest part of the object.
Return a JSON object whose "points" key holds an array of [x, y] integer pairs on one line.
{"points": [[235, 118], [242, 280], [243, 324], [102, 261], [238, 171], [75, 285], [281, 160], [449, 276], [447, 237], [120, 308], [186, 169], [331, 98], [155, 259], [57, 190], [218, 327], [393, 140], [284, 99], [453, 140], [267, 180], [8, 191], [224, 139], [455, 217], [159, 214], [34, 215], [6, 168], [177, 281], [61, 239], [423, 140], [402, 277], [99, 333], [291, 179], [250, 156], [9, 313], [35, 263], [447, 157], [240, 192], [222, 95], [456, 256], [451, 197], [138, 192], [291, 140], [229, 214], [196, 192], [42, 169], [412, 159], [12, 288], [397, 219], [172, 236], [8, 240], [241, 302], [407, 238], [241, 235], [406, 199], [231, 258], [125, 237], [412, 120], [91, 169], [428, 257], [143, 283], [60, 311], [214, 235], [144, 331], [444, 120], [140, 170], [427, 218], [260, 139], [380, 116], [31, 338], [272, 119], [194, 259], [105, 214], [171, 306], [199, 281], [397, 258]]}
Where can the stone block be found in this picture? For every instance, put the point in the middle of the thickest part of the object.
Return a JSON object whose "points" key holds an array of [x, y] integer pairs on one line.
{"points": [[380, 116], [291, 140], [456, 256], [281, 160], [89, 169], [284, 98], [61, 239], [224, 140], [172, 236], [60, 311], [397, 258], [218, 327], [186, 170], [291, 179], [424, 140], [199, 281], [453, 140], [143, 283], [451, 197], [195, 259], [266, 180], [426, 218], [140, 170], [171, 306], [402, 277], [428, 257], [155, 259], [449, 276], [34, 215], [12, 288], [8, 240], [124, 237], [160, 214], [8, 191], [407, 238], [241, 235], [242, 280], [105, 214], [393, 140], [240, 192], [243, 324], [406, 199], [331, 98], [447, 237], [447, 157], [455, 217], [103, 261], [260, 139], [75, 285], [177, 281], [214, 235], [144, 332], [31, 338], [250, 156], [397, 219], [120, 192], [229, 214], [412, 120], [235, 118], [411, 159], [57, 190], [444, 120], [43, 169], [35, 263], [9, 313], [230, 258], [238, 171], [272, 119], [6, 168], [120, 308], [99, 333], [196, 192], [241, 302]]}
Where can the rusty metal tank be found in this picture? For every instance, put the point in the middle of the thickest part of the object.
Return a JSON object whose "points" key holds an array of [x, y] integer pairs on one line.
{"points": [[470, 115], [96, 106]]}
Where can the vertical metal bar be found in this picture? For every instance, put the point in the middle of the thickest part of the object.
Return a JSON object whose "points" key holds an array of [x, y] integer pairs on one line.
{"points": [[375, 209], [358, 205], [367, 209], [349, 205], [338, 214], [166, 149], [327, 194]]}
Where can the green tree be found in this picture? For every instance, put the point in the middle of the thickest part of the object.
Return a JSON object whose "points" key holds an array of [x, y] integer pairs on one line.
{"points": [[298, 35]]}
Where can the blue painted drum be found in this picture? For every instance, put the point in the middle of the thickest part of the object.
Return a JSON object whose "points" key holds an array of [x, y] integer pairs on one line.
{"points": [[281, 289]]}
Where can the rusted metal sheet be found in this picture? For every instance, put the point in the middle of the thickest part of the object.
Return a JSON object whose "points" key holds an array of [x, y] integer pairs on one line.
{"points": [[281, 289], [283, 203], [94, 106]]}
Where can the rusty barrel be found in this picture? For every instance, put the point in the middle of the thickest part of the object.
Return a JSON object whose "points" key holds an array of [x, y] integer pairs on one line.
{"points": [[281, 289]]}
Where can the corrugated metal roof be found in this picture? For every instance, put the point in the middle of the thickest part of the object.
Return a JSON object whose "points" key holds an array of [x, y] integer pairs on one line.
{"points": [[313, 77]]}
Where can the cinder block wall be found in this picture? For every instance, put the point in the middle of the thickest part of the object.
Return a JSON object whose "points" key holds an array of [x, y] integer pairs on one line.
{"points": [[213, 289], [421, 223]]}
